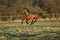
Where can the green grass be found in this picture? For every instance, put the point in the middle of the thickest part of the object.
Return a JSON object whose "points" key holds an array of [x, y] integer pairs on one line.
{"points": [[41, 30]]}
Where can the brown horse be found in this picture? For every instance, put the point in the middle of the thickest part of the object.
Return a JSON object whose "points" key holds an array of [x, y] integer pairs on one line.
{"points": [[30, 16]]}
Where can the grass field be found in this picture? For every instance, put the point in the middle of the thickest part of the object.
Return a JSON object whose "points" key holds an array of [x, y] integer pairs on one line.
{"points": [[41, 30]]}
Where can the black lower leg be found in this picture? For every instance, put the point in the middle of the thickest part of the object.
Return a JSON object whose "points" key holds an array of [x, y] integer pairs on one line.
{"points": [[27, 21], [22, 21], [31, 22]]}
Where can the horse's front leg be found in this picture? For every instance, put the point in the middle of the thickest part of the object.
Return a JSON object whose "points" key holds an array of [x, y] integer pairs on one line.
{"points": [[22, 21]]}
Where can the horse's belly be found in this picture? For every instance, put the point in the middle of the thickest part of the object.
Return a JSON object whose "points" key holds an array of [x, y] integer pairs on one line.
{"points": [[29, 18]]}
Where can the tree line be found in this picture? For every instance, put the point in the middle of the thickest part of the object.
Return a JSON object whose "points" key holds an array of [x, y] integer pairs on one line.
{"points": [[14, 7]]}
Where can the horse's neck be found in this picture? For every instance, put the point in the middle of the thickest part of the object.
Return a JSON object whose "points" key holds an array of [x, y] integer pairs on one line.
{"points": [[26, 13]]}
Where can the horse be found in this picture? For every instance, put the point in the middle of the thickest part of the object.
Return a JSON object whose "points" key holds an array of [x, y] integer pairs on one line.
{"points": [[30, 16]]}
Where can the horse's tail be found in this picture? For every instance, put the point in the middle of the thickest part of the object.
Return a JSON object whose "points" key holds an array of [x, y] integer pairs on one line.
{"points": [[42, 15]]}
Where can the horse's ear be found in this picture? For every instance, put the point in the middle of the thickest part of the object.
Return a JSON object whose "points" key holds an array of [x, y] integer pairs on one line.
{"points": [[24, 8]]}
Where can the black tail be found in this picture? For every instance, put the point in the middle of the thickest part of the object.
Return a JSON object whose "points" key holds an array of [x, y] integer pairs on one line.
{"points": [[41, 14]]}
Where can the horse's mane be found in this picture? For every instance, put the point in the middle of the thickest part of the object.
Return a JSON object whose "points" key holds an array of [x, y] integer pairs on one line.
{"points": [[27, 10]]}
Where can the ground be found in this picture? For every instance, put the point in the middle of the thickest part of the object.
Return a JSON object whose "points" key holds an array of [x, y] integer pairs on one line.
{"points": [[41, 30]]}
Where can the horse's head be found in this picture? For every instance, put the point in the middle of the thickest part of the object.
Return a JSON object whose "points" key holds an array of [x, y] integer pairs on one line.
{"points": [[25, 11]]}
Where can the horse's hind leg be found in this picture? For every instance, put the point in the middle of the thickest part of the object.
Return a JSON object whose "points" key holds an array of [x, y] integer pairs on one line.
{"points": [[27, 21], [33, 21]]}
